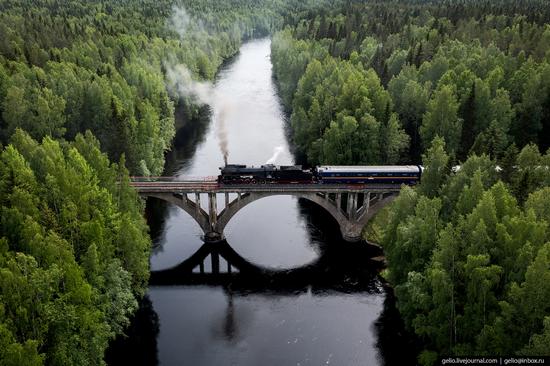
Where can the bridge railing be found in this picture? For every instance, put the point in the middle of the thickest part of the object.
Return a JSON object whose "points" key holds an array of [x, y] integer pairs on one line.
{"points": [[173, 179]]}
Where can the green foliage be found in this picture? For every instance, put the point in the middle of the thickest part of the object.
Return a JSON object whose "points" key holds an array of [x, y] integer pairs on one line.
{"points": [[539, 342], [475, 74], [435, 168], [530, 171], [13, 353], [73, 251], [539, 202], [348, 118], [475, 281], [441, 119], [411, 99], [290, 58]]}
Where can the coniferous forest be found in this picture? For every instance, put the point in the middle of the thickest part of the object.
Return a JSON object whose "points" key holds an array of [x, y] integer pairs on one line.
{"points": [[461, 87]]}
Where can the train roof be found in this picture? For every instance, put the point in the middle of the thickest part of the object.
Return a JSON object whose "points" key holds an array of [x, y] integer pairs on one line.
{"points": [[369, 168], [239, 167]]}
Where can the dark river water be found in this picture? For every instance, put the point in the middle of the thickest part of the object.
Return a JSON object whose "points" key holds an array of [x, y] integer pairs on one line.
{"points": [[297, 295]]}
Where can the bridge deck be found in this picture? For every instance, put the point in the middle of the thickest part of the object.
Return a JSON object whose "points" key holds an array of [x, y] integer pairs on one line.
{"points": [[215, 187]]}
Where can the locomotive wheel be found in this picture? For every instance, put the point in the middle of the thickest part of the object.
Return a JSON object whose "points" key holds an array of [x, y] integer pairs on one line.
{"points": [[253, 181]]}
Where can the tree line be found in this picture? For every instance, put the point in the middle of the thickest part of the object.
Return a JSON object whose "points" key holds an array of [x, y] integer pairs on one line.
{"points": [[480, 82], [443, 84]]}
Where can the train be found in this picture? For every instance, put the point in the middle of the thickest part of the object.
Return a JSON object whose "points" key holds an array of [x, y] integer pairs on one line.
{"points": [[327, 174]]}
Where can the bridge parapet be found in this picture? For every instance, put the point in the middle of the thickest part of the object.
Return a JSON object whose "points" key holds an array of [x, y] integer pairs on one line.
{"points": [[350, 205]]}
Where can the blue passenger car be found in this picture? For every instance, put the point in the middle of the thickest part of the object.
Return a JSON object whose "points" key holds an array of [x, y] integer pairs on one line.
{"points": [[382, 174]]}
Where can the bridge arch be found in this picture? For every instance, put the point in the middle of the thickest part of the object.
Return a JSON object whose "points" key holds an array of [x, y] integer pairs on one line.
{"points": [[239, 203], [193, 209]]}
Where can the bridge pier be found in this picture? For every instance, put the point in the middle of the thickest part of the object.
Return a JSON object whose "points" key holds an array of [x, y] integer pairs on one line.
{"points": [[213, 235], [352, 237]]}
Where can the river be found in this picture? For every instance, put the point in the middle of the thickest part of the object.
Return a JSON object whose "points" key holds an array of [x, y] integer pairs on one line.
{"points": [[318, 301]]}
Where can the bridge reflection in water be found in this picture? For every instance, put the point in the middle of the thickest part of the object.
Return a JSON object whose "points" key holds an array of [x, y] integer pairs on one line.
{"points": [[346, 268], [218, 263]]}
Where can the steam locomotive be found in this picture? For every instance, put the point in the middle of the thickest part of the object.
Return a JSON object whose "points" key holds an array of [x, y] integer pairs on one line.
{"points": [[334, 174]]}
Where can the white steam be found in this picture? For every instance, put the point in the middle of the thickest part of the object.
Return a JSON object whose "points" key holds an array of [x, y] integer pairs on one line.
{"points": [[186, 26], [276, 152], [180, 21], [180, 81]]}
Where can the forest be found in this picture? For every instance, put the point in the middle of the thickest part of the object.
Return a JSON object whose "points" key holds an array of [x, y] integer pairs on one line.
{"points": [[460, 86], [463, 88]]}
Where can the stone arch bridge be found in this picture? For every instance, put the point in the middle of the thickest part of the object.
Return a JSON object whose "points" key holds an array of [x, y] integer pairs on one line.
{"points": [[352, 206]]}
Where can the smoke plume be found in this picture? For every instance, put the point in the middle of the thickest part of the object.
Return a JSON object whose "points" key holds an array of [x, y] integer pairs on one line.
{"points": [[180, 81], [221, 132], [180, 21]]}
